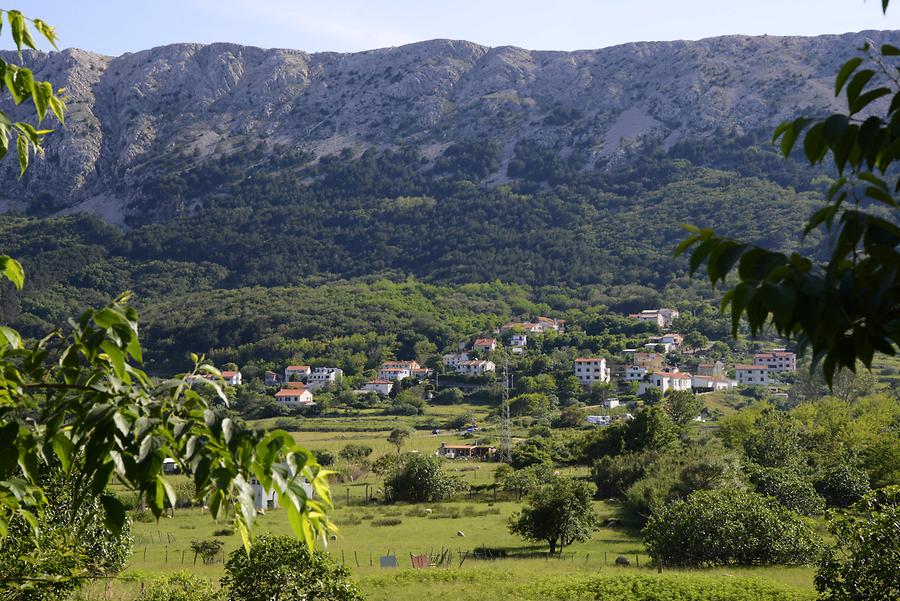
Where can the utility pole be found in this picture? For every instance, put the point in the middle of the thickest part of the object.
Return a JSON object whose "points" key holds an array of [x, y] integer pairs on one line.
{"points": [[506, 435]]}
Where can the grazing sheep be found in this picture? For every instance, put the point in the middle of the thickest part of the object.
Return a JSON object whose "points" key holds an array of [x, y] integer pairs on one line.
{"points": [[428, 511], [621, 560]]}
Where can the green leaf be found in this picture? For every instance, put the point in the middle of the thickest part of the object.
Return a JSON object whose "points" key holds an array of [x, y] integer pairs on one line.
{"points": [[22, 150], [856, 85], [117, 358], [12, 270], [114, 513], [846, 70], [867, 98], [62, 447]]}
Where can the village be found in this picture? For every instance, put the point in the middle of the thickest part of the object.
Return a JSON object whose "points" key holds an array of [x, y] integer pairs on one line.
{"points": [[642, 374]]}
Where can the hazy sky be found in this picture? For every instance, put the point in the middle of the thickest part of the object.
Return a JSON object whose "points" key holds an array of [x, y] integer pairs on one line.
{"points": [[117, 26]]}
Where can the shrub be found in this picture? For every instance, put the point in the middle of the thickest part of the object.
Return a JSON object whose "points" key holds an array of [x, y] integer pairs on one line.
{"points": [[788, 487], [614, 475], [283, 568], [180, 586], [421, 479], [729, 527], [863, 563], [325, 457], [224, 532], [843, 484], [206, 549], [387, 522]]}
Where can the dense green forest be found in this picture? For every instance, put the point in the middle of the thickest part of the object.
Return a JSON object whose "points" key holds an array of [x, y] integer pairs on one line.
{"points": [[468, 244]]}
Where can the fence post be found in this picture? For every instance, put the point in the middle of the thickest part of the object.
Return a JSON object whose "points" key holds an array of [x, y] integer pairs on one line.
{"points": [[637, 560]]}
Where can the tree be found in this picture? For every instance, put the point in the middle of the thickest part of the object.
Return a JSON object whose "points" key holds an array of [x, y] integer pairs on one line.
{"points": [[863, 562], [355, 453], [76, 396], [279, 568], [386, 465], [421, 479], [530, 452], [788, 486], [560, 512], [78, 543], [842, 483], [398, 437], [726, 526], [849, 307], [682, 406]]}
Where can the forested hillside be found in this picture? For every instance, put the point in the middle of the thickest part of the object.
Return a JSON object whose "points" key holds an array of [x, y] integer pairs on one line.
{"points": [[228, 245]]}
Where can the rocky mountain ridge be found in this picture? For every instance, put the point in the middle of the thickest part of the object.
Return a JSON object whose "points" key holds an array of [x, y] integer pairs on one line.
{"points": [[130, 114]]}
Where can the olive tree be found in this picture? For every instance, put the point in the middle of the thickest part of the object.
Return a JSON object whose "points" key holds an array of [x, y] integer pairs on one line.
{"points": [[561, 512]]}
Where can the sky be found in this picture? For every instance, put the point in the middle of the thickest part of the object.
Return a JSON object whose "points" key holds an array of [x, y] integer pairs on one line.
{"points": [[117, 26]]}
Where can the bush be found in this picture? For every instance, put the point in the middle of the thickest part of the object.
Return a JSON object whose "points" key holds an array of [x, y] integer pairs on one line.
{"points": [[421, 479], [843, 484], [729, 527], [206, 549], [283, 568], [614, 475], [788, 487], [387, 522], [863, 563], [325, 457], [180, 586], [224, 532]]}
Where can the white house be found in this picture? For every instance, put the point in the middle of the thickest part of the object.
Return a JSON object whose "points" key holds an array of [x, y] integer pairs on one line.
{"points": [[485, 345], [453, 360], [301, 371], [599, 420], [668, 315], [661, 317], [711, 383], [752, 375], [635, 373], [422, 373], [665, 381], [271, 378], [394, 374], [324, 375], [716, 370], [591, 370], [538, 326], [611, 403], [295, 397], [232, 378], [382, 387], [410, 365], [777, 361], [476, 367], [518, 340], [268, 499], [659, 347], [671, 339]]}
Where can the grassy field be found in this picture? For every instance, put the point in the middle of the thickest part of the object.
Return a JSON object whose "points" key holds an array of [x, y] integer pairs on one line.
{"points": [[164, 546]]}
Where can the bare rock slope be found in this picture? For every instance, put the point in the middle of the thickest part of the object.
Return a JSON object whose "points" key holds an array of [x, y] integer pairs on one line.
{"points": [[202, 102]]}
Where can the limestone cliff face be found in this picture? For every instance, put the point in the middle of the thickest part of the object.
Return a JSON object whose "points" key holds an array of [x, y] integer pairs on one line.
{"points": [[201, 102]]}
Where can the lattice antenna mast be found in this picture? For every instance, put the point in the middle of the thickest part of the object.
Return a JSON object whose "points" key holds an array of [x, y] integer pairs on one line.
{"points": [[506, 425]]}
